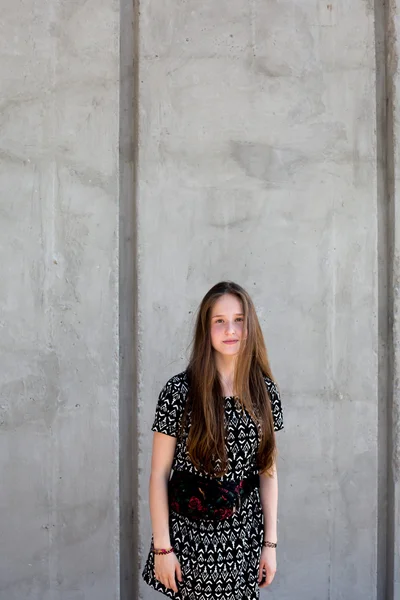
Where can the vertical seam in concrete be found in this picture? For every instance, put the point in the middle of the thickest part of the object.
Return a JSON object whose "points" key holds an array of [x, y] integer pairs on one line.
{"points": [[53, 548], [392, 82], [388, 469], [135, 142], [128, 298], [332, 449], [383, 273]]}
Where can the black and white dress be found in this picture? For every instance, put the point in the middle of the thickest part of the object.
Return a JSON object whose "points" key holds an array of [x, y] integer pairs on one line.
{"points": [[219, 560]]}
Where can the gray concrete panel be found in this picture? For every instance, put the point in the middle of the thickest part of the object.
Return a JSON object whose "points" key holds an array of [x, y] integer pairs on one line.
{"points": [[393, 171], [58, 301], [258, 142], [258, 164]]}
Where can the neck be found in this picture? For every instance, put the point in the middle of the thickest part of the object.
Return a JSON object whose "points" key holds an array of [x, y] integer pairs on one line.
{"points": [[225, 367]]}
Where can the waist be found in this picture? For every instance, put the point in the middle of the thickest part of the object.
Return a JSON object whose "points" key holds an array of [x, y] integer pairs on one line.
{"points": [[246, 484]]}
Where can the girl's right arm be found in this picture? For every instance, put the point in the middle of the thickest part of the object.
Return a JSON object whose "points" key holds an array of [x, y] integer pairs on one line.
{"points": [[166, 565], [161, 463]]}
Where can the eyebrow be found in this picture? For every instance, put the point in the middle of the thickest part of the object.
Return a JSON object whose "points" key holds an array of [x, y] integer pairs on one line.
{"points": [[236, 314]]}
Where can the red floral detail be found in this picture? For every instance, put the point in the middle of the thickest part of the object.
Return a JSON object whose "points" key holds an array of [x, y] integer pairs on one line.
{"points": [[224, 513], [195, 504], [175, 506]]}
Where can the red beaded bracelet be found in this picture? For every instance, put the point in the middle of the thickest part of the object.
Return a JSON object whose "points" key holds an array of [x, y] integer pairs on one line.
{"points": [[269, 544], [162, 550]]}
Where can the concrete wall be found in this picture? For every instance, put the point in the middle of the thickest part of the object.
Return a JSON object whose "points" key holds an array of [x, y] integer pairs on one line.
{"points": [[59, 123], [257, 142], [391, 137], [259, 162]]}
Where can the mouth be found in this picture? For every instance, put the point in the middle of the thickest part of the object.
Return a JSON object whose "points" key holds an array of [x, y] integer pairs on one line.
{"points": [[231, 341]]}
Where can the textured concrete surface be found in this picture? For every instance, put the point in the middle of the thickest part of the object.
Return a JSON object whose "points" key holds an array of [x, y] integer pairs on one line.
{"points": [[59, 122], [251, 142], [258, 163], [393, 185], [128, 415]]}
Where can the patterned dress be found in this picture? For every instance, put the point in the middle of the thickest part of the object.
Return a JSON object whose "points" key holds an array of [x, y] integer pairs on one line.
{"points": [[219, 560]]}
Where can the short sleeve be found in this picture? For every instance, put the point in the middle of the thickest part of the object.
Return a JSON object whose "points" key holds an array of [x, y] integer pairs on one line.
{"points": [[276, 404], [169, 407]]}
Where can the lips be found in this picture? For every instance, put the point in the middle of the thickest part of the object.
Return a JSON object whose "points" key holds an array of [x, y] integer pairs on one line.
{"points": [[230, 341]]}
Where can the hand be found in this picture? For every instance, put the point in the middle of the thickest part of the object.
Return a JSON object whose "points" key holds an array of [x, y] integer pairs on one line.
{"points": [[165, 567], [267, 566]]}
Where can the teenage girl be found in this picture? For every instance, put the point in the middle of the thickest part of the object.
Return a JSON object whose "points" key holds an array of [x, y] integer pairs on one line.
{"points": [[217, 419]]}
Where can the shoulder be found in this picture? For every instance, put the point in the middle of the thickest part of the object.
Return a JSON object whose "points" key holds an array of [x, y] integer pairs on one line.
{"points": [[174, 392], [177, 385], [170, 405], [271, 386], [276, 404]]}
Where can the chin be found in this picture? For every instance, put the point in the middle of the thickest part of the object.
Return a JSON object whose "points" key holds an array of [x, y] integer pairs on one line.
{"points": [[229, 351]]}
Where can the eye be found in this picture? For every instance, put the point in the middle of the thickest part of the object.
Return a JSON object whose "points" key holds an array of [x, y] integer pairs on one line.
{"points": [[239, 319], [219, 320]]}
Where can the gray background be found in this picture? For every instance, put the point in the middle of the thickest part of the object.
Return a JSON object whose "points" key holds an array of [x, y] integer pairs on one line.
{"points": [[144, 156]]}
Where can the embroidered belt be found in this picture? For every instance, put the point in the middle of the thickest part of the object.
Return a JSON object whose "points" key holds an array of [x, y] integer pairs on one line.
{"points": [[202, 498]]}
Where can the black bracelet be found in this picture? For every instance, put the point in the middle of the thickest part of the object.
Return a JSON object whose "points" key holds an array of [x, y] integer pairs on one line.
{"points": [[269, 544]]}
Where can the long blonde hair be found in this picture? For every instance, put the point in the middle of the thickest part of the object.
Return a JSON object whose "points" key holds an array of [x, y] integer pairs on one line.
{"points": [[206, 439]]}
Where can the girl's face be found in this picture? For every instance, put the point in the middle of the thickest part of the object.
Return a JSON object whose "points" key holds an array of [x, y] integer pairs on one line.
{"points": [[227, 328]]}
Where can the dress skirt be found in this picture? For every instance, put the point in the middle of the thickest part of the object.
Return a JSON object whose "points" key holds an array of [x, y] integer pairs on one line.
{"points": [[219, 559]]}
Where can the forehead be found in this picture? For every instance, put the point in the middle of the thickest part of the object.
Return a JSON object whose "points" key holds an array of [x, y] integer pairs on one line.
{"points": [[227, 304]]}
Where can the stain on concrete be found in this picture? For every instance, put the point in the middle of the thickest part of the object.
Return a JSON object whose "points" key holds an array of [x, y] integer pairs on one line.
{"points": [[349, 484], [396, 374], [33, 586], [81, 521], [90, 177], [392, 57], [233, 209], [370, 6], [265, 67], [396, 431], [272, 165], [34, 397]]}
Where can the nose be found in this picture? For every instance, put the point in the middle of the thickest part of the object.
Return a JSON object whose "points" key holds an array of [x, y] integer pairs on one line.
{"points": [[230, 328]]}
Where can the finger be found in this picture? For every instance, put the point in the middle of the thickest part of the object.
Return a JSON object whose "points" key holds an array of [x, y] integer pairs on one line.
{"points": [[268, 579], [172, 584], [270, 576], [164, 580], [264, 577], [260, 571]]}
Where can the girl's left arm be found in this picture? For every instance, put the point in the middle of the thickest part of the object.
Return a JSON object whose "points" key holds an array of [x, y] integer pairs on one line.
{"points": [[269, 502]]}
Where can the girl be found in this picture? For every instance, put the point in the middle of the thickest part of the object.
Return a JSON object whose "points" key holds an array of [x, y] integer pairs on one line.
{"points": [[214, 427]]}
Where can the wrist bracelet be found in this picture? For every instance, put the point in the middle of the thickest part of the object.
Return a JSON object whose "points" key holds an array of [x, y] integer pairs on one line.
{"points": [[269, 544], [161, 550]]}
